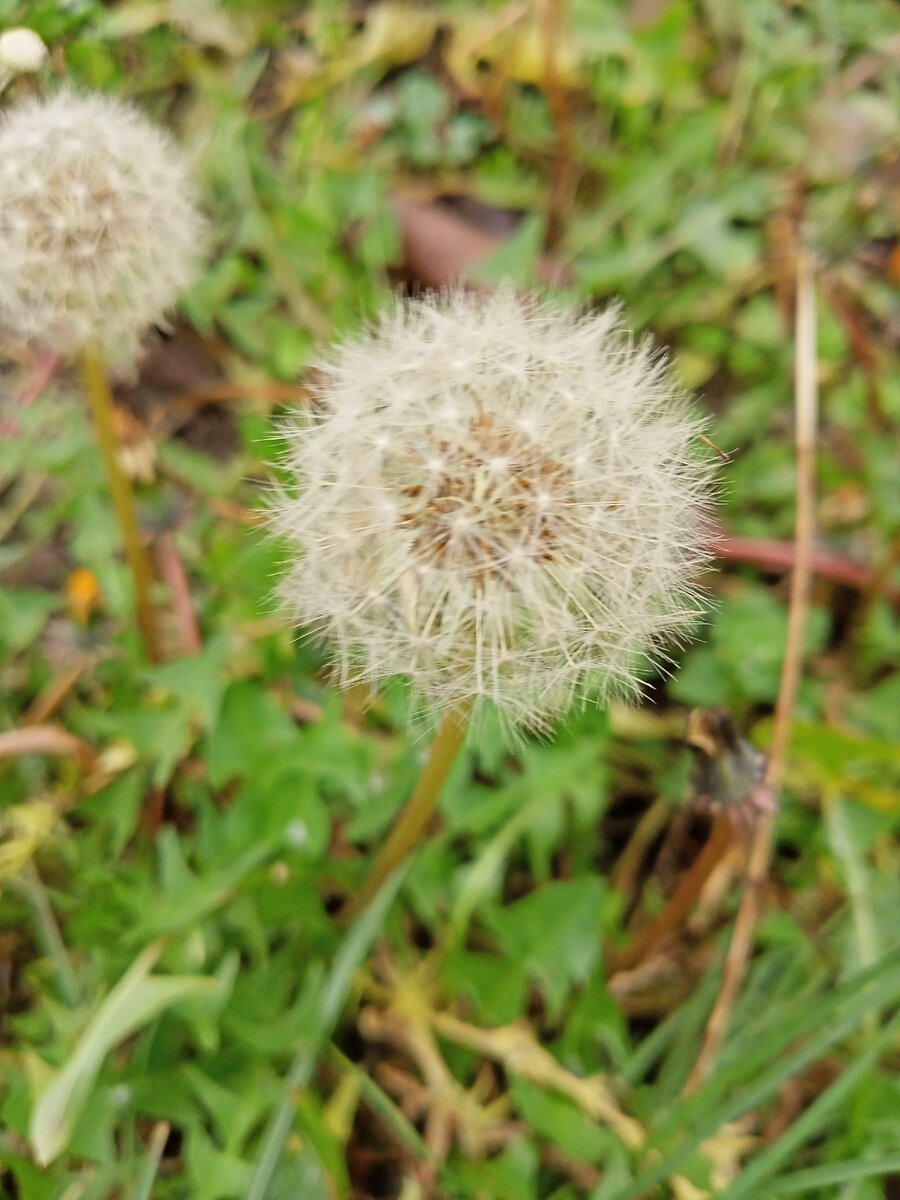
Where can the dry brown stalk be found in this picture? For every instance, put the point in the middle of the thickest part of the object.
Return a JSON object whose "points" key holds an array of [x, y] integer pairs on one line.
{"points": [[625, 877], [518, 1051], [682, 900], [175, 576], [52, 696], [45, 739], [554, 16], [760, 853]]}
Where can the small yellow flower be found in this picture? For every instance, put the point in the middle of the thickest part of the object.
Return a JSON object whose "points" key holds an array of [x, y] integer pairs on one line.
{"points": [[83, 594]]}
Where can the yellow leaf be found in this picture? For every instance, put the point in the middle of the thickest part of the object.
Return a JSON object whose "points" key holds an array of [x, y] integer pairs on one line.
{"points": [[22, 829]]}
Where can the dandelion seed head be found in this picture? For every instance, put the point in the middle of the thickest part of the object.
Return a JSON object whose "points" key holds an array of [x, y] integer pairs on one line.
{"points": [[99, 229], [543, 534], [22, 51]]}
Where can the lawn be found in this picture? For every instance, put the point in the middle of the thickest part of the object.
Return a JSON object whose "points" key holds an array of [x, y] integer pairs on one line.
{"points": [[650, 949]]}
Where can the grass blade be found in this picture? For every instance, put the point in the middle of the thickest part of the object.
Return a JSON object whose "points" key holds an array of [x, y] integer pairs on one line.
{"points": [[829, 1176], [703, 1124], [354, 948], [812, 1119]]}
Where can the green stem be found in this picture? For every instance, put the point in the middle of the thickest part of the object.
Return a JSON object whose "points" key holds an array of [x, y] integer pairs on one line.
{"points": [[100, 399], [47, 931], [419, 809]]}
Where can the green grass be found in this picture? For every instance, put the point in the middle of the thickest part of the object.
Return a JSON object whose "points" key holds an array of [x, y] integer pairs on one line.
{"points": [[168, 951]]}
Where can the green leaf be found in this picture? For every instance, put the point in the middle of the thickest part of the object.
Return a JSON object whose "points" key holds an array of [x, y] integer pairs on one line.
{"points": [[769, 1066], [555, 933], [251, 726], [162, 735], [814, 1117], [23, 612], [749, 637], [195, 685], [495, 985], [30, 1181], [188, 897], [354, 948], [828, 1176], [517, 258], [135, 1000], [512, 1175], [561, 1121], [700, 681]]}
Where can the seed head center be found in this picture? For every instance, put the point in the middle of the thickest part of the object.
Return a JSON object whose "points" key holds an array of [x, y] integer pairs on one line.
{"points": [[496, 501]]}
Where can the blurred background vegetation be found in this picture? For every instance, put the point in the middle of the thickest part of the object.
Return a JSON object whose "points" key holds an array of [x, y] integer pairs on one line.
{"points": [[180, 1015]]}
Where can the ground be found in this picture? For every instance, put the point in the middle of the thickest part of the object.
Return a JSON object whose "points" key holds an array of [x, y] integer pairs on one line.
{"points": [[182, 1012]]}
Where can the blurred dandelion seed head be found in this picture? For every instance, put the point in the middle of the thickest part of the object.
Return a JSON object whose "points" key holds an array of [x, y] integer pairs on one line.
{"points": [[99, 230], [21, 51], [501, 499]]}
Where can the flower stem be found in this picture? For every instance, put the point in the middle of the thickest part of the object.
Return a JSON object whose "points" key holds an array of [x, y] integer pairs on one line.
{"points": [[100, 399], [419, 809]]}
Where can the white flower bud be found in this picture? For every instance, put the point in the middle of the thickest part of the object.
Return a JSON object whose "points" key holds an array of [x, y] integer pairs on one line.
{"points": [[544, 530], [99, 230], [21, 51]]}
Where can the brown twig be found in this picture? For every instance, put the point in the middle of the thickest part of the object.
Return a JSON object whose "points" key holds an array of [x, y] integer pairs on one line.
{"points": [[553, 20], [47, 701], [680, 902], [100, 400], [46, 739], [628, 867], [450, 1111], [45, 705], [175, 576], [519, 1053], [805, 401], [780, 557]]}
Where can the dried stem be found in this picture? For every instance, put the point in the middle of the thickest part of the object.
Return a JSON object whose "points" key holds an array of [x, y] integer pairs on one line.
{"points": [[649, 827], [48, 700], [155, 1148], [174, 574], [100, 399], [419, 809], [554, 22], [805, 401], [519, 1053], [680, 902], [46, 739]]}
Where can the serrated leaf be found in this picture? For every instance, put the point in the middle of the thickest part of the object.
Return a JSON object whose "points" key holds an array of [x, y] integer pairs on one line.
{"points": [[555, 933]]}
